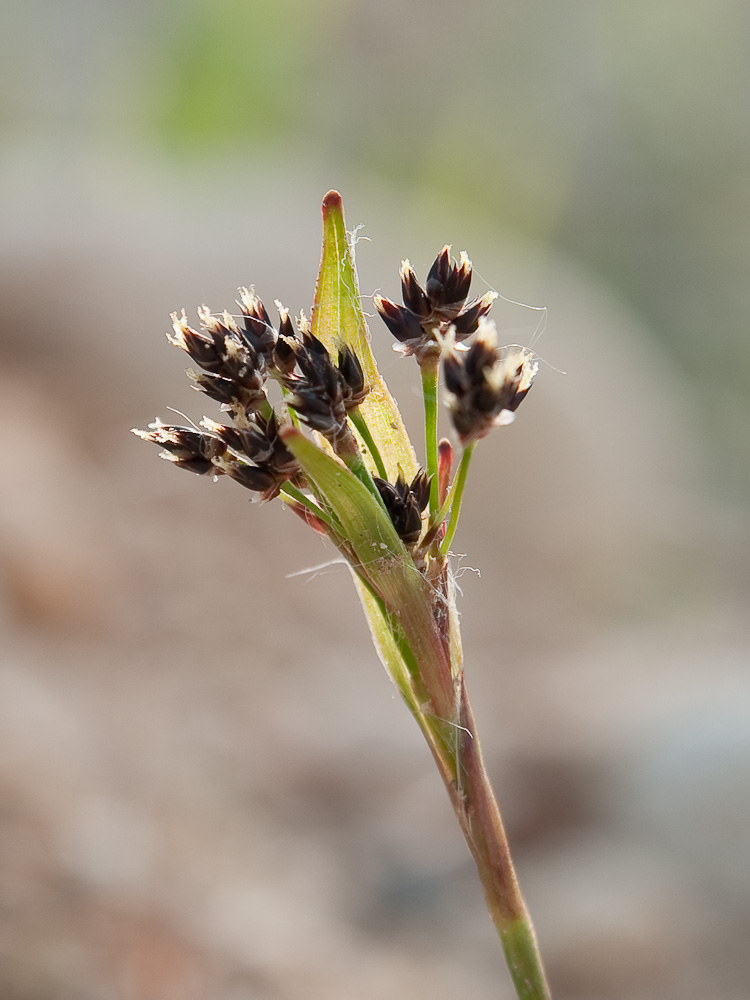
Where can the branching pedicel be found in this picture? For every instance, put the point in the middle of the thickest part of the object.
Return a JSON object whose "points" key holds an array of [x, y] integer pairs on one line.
{"points": [[354, 477]]}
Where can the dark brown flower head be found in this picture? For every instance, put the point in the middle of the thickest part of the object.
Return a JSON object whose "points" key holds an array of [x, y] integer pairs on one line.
{"points": [[258, 442], [486, 384], [254, 478], [323, 394], [405, 504], [210, 451], [256, 329], [405, 325], [185, 447], [350, 369], [428, 312], [234, 370], [285, 354], [275, 346], [447, 284], [231, 396]]}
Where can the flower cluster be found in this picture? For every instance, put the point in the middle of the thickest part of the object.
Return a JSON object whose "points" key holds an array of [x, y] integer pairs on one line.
{"points": [[405, 504], [486, 384], [428, 312], [252, 455], [238, 356], [323, 394]]}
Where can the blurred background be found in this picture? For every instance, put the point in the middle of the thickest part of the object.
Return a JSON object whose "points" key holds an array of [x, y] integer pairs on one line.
{"points": [[208, 790]]}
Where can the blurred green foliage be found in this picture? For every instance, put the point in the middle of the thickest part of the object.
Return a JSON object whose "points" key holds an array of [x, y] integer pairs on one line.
{"points": [[236, 72]]}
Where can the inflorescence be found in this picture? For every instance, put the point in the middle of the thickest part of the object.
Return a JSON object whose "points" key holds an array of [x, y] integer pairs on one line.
{"points": [[428, 313], [239, 356]]}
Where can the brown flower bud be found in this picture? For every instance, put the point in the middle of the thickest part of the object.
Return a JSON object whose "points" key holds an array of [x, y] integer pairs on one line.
{"points": [[405, 504], [486, 384], [323, 394]]}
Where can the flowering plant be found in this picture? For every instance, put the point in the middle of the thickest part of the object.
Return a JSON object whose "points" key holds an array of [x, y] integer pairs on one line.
{"points": [[331, 443]]}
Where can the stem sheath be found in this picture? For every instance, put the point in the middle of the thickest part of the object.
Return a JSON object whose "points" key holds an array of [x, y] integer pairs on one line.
{"points": [[478, 815], [364, 432]]}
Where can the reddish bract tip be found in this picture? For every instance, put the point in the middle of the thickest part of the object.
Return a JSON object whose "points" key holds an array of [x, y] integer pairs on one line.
{"points": [[308, 517], [287, 433], [445, 465], [332, 200]]}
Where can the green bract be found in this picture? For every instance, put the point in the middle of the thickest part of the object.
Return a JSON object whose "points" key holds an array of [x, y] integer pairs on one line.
{"points": [[337, 318]]}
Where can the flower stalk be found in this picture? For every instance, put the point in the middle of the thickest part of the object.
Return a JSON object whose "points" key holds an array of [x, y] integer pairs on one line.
{"points": [[336, 450], [429, 368], [455, 498]]}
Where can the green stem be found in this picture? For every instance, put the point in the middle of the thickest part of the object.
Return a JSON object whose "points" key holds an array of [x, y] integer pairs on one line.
{"points": [[443, 512], [364, 432], [524, 961], [429, 368], [347, 449], [457, 491]]}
